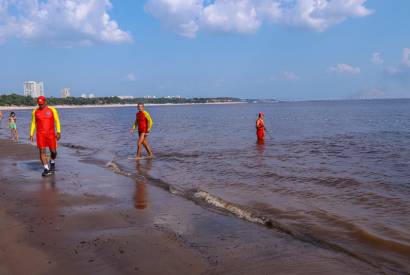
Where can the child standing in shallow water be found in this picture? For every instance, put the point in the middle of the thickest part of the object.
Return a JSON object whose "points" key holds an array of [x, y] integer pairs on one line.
{"points": [[13, 126]]}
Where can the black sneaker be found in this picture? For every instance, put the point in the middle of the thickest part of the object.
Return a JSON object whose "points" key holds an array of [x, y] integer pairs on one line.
{"points": [[46, 173], [52, 167]]}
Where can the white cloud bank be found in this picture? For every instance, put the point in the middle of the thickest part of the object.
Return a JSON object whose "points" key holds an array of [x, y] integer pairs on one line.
{"points": [[61, 22], [344, 69], [187, 17]]}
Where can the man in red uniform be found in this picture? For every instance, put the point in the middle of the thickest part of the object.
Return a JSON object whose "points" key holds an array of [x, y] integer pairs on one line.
{"points": [[260, 128], [45, 119], [143, 122]]}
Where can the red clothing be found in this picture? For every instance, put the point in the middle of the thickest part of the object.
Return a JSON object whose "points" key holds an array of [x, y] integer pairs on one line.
{"points": [[46, 141], [260, 133], [45, 121], [260, 129], [143, 121]]}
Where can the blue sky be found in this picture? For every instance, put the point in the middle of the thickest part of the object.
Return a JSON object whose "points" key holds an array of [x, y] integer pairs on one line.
{"points": [[282, 49]]}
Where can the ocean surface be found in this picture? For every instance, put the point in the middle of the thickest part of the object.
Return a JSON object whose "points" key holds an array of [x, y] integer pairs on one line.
{"points": [[332, 173]]}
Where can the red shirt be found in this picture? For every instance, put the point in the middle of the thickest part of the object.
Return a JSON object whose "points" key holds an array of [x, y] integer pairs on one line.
{"points": [[142, 122], [45, 121]]}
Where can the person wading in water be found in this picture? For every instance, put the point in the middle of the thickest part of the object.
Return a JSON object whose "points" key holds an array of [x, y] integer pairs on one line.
{"points": [[143, 122], [260, 128]]}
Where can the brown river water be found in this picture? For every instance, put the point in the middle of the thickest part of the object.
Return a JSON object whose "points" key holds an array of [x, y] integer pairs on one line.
{"points": [[335, 174]]}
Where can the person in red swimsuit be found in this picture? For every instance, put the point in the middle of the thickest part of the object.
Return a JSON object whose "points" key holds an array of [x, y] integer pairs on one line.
{"points": [[45, 119], [143, 122], [260, 128]]}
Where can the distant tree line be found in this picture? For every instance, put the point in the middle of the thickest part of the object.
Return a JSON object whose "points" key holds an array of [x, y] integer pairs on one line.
{"points": [[19, 100]]}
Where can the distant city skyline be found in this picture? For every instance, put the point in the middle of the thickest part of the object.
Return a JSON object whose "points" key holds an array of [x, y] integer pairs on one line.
{"points": [[66, 92], [33, 88], [276, 49]]}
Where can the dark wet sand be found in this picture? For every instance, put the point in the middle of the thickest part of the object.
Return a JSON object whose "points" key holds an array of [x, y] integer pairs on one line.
{"points": [[87, 220]]}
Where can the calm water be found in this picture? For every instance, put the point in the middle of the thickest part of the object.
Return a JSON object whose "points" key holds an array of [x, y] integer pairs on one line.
{"points": [[336, 174]]}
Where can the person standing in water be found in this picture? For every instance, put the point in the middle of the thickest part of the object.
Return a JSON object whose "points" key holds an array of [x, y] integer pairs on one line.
{"points": [[45, 119], [260, 127], [143, 122], [1, 117], [13, 126]]}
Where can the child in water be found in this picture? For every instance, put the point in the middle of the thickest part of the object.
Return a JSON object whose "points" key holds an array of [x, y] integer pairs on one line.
{"points": [[13, 126]]}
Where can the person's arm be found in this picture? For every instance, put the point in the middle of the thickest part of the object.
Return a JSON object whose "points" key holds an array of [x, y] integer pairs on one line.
{"points": [[33, 125], [150, 122], [56, 122], [258, 125], [134, 126]]}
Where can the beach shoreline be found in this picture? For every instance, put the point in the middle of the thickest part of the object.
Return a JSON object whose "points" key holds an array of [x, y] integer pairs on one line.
{"points": [[88, 220], [8, 108]]}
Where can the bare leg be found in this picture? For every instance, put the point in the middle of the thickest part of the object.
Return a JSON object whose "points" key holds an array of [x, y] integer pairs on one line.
{"points": [[16, 134], [43, 156], [146, 145], [53, 154], [140, 141]]}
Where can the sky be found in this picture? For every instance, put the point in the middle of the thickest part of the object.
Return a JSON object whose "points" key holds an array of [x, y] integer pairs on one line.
{"points": [[276, 49]]}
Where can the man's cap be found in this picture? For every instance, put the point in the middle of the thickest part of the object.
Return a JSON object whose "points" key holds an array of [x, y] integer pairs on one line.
{"points": [[41, 100]]}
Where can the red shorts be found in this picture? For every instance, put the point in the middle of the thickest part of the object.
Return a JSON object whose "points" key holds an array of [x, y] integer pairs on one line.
{"points": [[260, 133], [47, 141]]}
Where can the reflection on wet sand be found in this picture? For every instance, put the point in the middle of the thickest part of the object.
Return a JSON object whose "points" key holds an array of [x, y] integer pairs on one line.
{"points": [[47, 197], [141, 201]]}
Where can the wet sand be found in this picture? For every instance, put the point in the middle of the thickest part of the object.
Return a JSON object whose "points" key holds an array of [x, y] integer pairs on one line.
{"points": [[88, 220]]}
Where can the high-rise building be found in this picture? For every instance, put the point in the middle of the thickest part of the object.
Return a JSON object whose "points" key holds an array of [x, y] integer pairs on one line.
{"points": [[65, 93], [33, 89]]}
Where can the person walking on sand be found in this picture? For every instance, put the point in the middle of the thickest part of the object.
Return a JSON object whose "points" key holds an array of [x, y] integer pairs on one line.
{"points": [[45, 119], [143, 122], [260, 127], [13, 127]]}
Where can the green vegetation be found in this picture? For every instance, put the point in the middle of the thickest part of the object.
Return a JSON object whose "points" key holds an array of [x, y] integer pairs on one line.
{"points": [[18, 100]]}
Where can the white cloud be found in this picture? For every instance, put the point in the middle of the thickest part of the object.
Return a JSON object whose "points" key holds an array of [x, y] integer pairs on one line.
{"points": [[231, 16], [179, 15], [344, 69], [187, 17], [403, 69], [131, 77], [60, 22], [288, 76], [377, 59], [406, 57]]}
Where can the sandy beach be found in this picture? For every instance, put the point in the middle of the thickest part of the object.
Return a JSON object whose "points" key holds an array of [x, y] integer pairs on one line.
{"points": [[76, 223]]}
